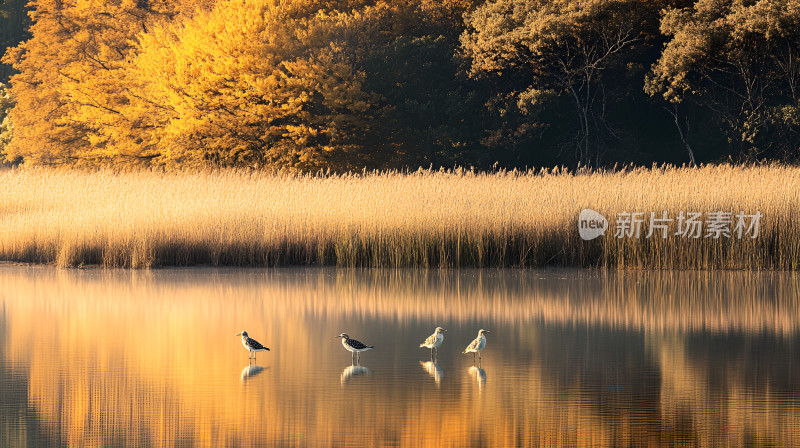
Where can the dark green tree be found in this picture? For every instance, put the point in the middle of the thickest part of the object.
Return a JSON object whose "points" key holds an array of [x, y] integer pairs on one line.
{"points": [[548, 50], [740, 63], [14, 23], [6, 128]]}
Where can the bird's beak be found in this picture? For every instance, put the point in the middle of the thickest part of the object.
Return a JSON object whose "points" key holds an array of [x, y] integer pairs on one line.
{"points": [[238, 334], [487, 331], [443, 329]]}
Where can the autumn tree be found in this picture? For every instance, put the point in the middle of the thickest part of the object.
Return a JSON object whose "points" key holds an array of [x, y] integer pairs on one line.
{"points": [[259, 84], [740, 62], [551, 49], [250, 82], [71, 67], [295, 84]]}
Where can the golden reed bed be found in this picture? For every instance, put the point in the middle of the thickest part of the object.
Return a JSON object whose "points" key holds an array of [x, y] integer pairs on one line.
{"points": [[423, 219]]}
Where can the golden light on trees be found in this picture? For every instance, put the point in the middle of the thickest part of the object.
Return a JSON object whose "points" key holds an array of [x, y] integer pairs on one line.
{"points": [[240, 82]]}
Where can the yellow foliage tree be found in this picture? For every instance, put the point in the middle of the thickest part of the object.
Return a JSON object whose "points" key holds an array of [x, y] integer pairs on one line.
{"points": [[71, 68], [248, 83], [262, 83]]}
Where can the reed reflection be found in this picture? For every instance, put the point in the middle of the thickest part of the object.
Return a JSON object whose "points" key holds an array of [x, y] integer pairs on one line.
{"points": [[587, 359]]}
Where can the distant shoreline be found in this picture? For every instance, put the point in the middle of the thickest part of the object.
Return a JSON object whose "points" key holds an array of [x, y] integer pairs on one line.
{"points": [[426, 219]]}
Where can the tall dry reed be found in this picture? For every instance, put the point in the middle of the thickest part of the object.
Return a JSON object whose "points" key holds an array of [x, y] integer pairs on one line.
{"points": [[422, 219]]}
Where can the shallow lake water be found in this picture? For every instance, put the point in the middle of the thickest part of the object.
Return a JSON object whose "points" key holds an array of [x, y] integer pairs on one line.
{"points": [[575, 358]]}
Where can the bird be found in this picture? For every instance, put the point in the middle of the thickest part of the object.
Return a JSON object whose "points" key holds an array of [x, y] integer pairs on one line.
{"points": [[477, 345], [251, 344], [354, 346], [434, 341]]}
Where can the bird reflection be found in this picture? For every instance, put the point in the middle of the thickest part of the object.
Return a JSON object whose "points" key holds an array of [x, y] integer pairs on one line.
{"points": [[250, 371], [352, 371], [433, 370], [479, 374]]}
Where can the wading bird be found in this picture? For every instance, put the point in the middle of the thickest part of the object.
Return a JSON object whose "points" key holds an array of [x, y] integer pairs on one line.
{"points": [[251, 345], [434, 341], [477, 345], [353, 346]]}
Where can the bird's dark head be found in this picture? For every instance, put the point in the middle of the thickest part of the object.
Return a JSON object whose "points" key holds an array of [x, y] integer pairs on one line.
{"points": [[243, 333], [343, 336]]}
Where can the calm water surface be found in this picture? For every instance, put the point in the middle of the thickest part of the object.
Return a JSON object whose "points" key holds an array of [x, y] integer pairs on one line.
{"points": [[575, 358]]}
